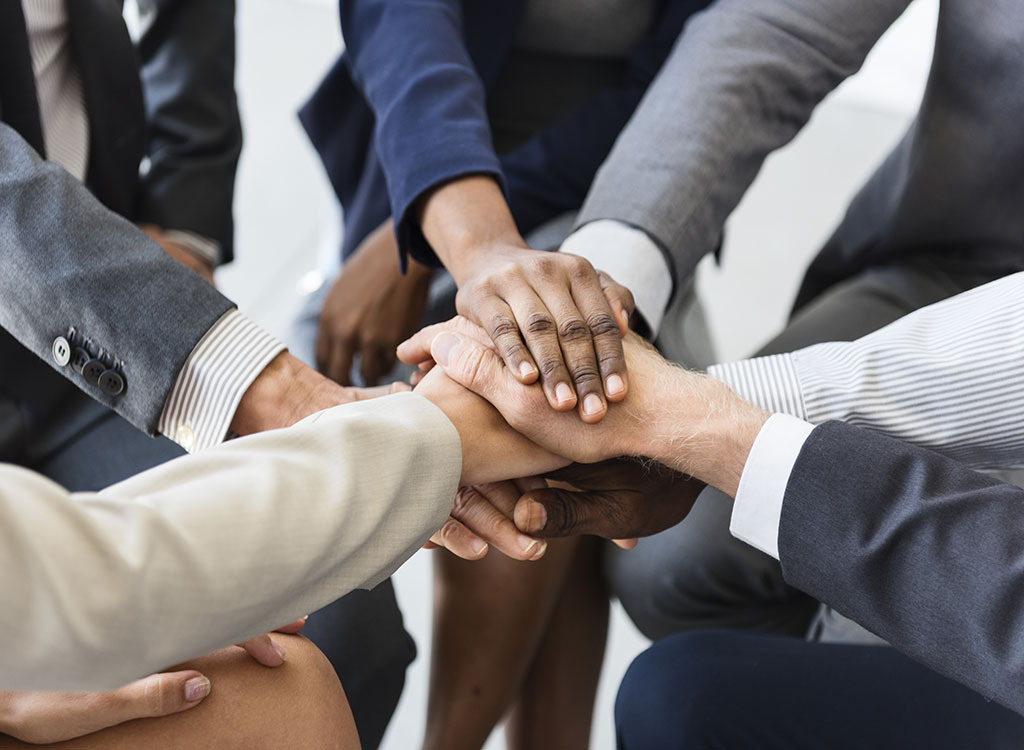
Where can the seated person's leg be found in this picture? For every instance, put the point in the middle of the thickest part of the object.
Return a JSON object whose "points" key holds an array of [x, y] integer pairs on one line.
{"points": [[697, 575], [723, 689], [492, 619], [364, 637], [299, 704]]}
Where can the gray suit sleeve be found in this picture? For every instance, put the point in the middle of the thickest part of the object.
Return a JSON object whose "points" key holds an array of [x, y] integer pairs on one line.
{"points": [[743, 79], [187, 57], [68, 262], [917, 548]]}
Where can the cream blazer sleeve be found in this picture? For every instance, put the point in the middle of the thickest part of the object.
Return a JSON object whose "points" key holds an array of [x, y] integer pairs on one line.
{"points": [[214, 548]]}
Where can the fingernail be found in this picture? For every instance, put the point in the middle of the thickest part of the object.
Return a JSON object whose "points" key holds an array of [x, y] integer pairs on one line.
{"points": [[196, 689], [538, 516], [526, 544], [563, 393], [526, 370], [592, 405], [541, 549], [479, 546], [441, 347], [279, 650], [615, 385]]}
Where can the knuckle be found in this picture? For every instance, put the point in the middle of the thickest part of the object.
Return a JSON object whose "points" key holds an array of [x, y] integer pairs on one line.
{"points": [[450, 531], [579, 268], [504, 327], [602, 325], [586, 377], [550, 367], [464, 498], [573, 329], [540, 323]]}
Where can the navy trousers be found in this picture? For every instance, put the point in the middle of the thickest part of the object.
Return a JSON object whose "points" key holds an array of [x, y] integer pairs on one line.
{"points": [[736, 690]]}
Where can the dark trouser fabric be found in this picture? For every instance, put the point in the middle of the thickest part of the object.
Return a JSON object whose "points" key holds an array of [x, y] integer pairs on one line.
{"points": [[727, 690], [696, 575]]}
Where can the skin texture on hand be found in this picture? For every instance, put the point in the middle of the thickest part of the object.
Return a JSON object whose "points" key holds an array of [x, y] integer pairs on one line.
{"points": [[288, 391], [370, 308], [491, 450], [180, 253], [685, 420], [550, 315], [615, 499], [482, 517], [41, 717]]}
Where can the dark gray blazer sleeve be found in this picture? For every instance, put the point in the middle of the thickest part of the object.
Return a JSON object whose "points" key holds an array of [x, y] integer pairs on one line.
{"points": [[68, 262], [914, 546], [187, 58], [742, 80]]}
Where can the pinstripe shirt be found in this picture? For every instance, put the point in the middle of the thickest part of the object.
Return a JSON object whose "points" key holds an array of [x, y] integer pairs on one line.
{"points": [[229, 357], [947, 377]]}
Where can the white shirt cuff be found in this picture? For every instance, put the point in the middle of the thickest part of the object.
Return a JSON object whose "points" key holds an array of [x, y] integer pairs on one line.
{"points": [[202, 403], [757, 512], [202, 247], [630, 257]]}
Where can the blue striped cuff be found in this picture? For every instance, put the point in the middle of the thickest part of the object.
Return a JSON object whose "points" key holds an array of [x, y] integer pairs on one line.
{"points": [[216, 374]]}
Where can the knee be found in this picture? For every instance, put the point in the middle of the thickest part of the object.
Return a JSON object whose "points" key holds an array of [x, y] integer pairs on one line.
{"points": [[299, 704], [673, 696]]}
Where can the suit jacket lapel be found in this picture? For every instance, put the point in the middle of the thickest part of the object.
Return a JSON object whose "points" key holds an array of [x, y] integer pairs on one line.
{"points": [[109, 69], [19, 105]]}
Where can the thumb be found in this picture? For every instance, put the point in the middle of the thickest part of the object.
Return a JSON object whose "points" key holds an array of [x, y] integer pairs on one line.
{"points": [[557, 512], [470, 364], [161, 694]]}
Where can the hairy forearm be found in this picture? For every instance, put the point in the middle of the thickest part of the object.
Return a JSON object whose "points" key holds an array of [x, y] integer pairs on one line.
{"points": [[702, 429]]}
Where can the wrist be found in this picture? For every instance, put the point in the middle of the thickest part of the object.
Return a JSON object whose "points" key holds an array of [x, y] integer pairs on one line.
{"points": [[464, 220], [706, 431], [269, 402]]}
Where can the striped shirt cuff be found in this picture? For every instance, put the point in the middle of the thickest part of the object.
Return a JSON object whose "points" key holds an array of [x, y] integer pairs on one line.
{"points": [[216, 374], [768, 382]]}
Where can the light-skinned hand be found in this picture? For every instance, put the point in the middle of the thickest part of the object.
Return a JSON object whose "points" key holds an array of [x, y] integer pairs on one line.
{"points": [[41, 717]]}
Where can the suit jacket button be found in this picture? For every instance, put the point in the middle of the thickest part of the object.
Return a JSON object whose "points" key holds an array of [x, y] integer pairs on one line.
{"points": [[61, 351], [79, 357], [92, 371], [111, 383]]}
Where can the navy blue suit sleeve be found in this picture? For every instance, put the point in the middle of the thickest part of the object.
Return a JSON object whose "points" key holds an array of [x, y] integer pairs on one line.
{"points": [[917, 548], [551, 173], [409, 59]]}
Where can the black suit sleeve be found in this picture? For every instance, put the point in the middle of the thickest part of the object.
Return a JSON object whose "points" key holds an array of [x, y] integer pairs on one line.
{"points": [[187, 57], [916, 547]]}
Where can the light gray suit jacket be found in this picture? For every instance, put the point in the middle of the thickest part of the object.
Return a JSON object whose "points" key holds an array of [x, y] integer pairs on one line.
{"points": [[745, 77], [216, 547]]}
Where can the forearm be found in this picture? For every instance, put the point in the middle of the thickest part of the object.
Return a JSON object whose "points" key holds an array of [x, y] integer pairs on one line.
{"points": [[463, 219], [701, 428], [743, 79], [944, 378], [71, 263], [290, 511]]}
